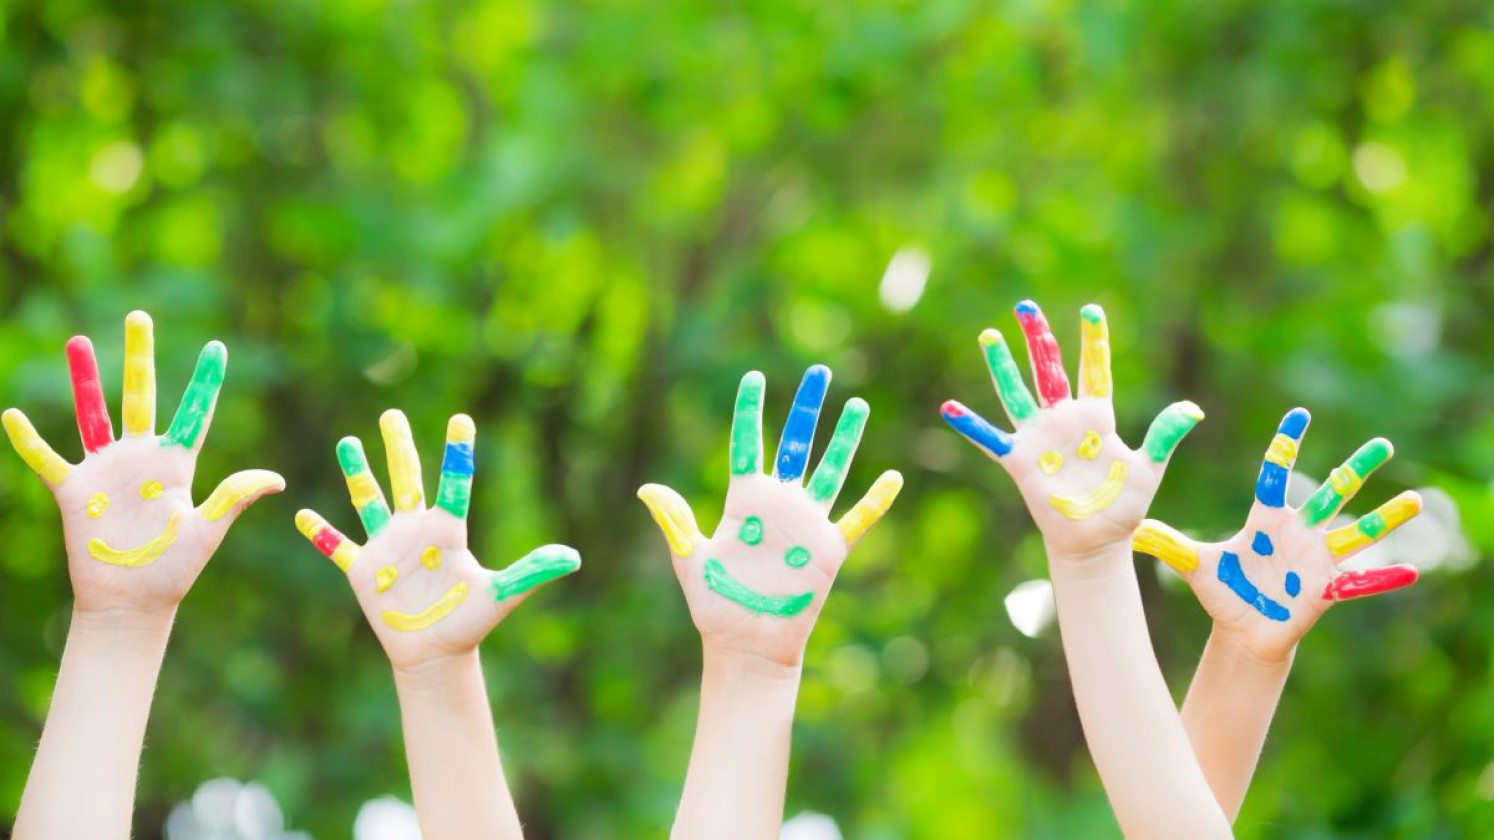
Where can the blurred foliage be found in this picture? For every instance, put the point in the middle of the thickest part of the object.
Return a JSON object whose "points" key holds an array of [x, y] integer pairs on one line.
{"points": [[582, 222]]}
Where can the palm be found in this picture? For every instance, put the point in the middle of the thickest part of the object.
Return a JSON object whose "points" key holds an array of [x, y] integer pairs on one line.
{"points": [[134, 539], [1084, 487], [421, 589], [759, 583], [1268, 584]]}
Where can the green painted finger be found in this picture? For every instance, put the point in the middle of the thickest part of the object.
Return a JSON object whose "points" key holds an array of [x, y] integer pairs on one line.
{"points": [[1345, 481], [1169, 429], [747, 426], [830, 475], [363, 488], [1020, 405], [191, 416], [536, 568]]}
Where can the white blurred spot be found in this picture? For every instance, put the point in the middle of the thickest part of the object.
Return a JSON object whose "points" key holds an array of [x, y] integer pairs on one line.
{"points": [[903, 281], [386, 819], [810, 826], [1380, 167], [116, 167], [1030, 607], [226, 809], [1409, 330], [1432, 540], [906, 658], [395, 366]]}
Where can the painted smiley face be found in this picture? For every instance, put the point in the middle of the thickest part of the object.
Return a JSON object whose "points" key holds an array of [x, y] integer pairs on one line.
{"points": [[144, 554], [1084, 505], [1234, 577], [721, 581], [440, 608]]}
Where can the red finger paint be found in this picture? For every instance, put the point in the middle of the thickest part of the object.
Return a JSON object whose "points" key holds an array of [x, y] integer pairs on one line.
{"points": [[1369, 582], [1042, 347], [88, 395]]}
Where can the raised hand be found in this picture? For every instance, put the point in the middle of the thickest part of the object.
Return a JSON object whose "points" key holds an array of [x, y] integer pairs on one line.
{"points": [[758, 584], [1267, 585], [1084, 487], [421, 588], [134, 539]]}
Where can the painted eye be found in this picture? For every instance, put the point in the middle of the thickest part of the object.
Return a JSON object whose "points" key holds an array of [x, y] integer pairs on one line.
{"points": [[1261, 545], [386, 577], [798, 557], [1089, 447], [431, 558], [97, 504], [151, 490], [752, 531], [1293, 584], [1050, 462]]}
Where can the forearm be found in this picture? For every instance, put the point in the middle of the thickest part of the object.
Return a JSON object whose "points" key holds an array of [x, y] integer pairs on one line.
{"points": [[1134, 733], [452, 749], [95, 729], [738, 773], [1228, 713]]}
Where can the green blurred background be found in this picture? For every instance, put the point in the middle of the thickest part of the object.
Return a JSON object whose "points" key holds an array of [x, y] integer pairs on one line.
{"points": [[582, 222]]}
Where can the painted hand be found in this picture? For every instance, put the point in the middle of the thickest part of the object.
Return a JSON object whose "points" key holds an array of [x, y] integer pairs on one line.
{"points": [[757, 585], [1084, 487], [134, 540], [1267, 585], [422, 590]]}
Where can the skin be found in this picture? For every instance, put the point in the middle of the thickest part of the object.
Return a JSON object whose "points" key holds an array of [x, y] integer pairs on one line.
{"points": [[450, 743], [752, 662], [121, 621]]}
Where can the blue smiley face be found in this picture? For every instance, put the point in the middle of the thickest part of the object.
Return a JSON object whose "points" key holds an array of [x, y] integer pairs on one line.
{"points": [[1233, 576]]}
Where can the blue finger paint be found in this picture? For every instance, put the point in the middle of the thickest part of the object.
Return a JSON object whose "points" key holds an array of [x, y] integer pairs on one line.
{"points": [[1231, 575], [1270, 487], [458, 459], [976, 429], [1293, 584], [798, 429], [1262, 544]]}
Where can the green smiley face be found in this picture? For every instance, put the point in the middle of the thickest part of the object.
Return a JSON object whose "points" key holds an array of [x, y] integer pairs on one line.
{"points": [[720, 580]]}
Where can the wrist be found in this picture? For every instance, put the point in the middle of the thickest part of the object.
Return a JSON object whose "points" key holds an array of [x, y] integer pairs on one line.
{"points": [[438, 674], [1243, 658], [1097, 562], [739, 667], [122, 623]]}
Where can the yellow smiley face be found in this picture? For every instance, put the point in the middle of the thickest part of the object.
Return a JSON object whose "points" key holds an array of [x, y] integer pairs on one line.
{"points": [[1084, 505], [406, 622], [142, 555]]}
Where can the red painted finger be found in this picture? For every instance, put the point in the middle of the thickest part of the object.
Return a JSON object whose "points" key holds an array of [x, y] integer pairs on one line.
{"points": [[1042, 347], [88, 395], [1350, 585]]}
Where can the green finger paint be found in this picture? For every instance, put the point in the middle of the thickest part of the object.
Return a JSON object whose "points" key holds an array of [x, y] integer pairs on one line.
{"points": [[1372, 525], [1169, 429], [1091, 313], [454, 494], [798, 557], [721, 582], [1345, 481], [197, 401], [364, 490], [1009, 385], [538, 567], [752, 531], [747, 426], [830, 475]]}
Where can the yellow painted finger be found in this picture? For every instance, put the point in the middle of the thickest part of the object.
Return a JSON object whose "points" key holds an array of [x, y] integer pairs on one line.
{"points": [[1373, 526], [1167, 544], [867, 512], [33, 450], [404, 461], [674, 517], [236, 490], [1094, 359], [140, 375], [328, 540]]}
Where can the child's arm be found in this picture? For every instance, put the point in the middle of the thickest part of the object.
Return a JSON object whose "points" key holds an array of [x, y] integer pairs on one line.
{"points": [[430, 603], [1265, 588], [754, 590], [1088, 492], [135, 545]]}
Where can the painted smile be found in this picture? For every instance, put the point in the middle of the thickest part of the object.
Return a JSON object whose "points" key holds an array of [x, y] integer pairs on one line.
{"points": [[136, 557], [408, 622], [1232, 576], [1088, 504], [721, 582]]}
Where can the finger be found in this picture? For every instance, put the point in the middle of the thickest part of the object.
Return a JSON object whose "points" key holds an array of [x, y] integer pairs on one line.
{"points": [[454, 489], [88, 395], [830, 475], [674, 517], [363, 488], [1047, 362], [867, 512], [1373, 526], [1169, 429], [328, 540], [404, 461], [190, 422], [1276, 467], [974, 427], [798, 429], [140, 375], [1344, 482], [235, 494], [1015, 397], [747, 426], [534, 569], [1094, 358], [1167, 544], [1351, 585], [33, 450]]}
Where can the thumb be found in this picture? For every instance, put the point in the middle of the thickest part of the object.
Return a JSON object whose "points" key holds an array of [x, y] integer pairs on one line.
{"points": [[675, 519], [1169, 429], [233, 496], [535, 569], [1167, 544]]}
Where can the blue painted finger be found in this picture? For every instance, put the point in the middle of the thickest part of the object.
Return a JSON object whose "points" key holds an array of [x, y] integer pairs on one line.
{"points": [[1276, 467], [798, 429], [975, 429]]}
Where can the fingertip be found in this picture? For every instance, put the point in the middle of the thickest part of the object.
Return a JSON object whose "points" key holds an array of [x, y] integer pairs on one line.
{"points": [[79, 344], [1295, 423], [754, 379], [1189, 409], [1093, 313], [990, 337], [393, 418], [139, 318], [1028, 310], [952, 409], [461, 429]]}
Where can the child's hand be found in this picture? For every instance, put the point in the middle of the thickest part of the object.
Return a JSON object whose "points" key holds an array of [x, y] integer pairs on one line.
{"points": [[1267, 585], [1084, 487], [757, 585], [422, 590], [134, 540]]}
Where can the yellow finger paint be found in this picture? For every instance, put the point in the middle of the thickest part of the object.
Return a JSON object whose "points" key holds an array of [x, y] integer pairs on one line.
{"points": [[140, 375], [152, 490], [33, 450], [136, 557], [1345, 481], [1373, 525], [1050, 462], [1094, 359], [1096, 500], [1166, 544], [1283, 451], [674, 517], [409, 622], [404, 461], [1089, 447], [235, 489], [328, 540], [867, 512], [431, 558], [97, 504], [385, 577]]}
